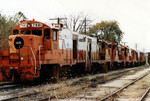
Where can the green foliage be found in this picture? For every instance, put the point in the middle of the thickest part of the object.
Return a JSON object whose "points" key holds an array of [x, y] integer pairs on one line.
{"points": [[107, 30], [7, 24]]}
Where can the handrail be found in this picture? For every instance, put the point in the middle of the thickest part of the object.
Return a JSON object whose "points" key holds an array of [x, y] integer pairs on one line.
{"points": [[34, 59], [40, 56]]}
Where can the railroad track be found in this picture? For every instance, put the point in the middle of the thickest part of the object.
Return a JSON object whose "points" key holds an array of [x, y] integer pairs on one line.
{"points": [[80, 89], [90, 85], [145, 94], [15, 96], [12, 97], [5, 83], [83, 95], [45, 99], [10, 86], [122, 88]]}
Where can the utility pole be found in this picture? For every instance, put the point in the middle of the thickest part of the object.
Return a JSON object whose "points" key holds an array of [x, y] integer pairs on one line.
{"points": [[124, 43], [58, 19], [143, 50], [85, 24], [136, 45]]}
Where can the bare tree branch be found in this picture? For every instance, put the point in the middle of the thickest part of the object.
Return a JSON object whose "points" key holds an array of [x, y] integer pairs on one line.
{"points": [[77, 22]]}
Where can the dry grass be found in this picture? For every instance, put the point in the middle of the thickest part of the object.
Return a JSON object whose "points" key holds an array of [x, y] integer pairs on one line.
{"points": [[65, 92], [69, 88]]}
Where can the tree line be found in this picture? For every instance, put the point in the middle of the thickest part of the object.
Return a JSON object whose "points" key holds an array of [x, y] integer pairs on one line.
{"points": [[107, 30]]}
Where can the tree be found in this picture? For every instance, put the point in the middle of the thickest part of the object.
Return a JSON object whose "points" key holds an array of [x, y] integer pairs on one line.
{"points": [[107, 30], [7, 24], [77, 22]]}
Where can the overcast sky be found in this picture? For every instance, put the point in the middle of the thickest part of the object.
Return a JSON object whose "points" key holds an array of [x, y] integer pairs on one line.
{"points": [[133, 15]]}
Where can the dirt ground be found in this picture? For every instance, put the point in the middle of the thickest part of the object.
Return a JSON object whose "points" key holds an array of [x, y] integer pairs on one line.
{"points": [[135, 91], [132, 93]]}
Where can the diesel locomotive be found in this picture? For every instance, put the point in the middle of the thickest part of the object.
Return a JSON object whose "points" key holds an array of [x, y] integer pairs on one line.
{"points": [[38, 50]]}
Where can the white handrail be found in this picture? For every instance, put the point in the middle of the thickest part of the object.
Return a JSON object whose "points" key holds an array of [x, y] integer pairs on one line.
{"points": [[40, 56], [34, 59]]}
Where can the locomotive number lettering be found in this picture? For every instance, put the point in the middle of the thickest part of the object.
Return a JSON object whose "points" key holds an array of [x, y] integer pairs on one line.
{"points": [[37, 25], [23, 25], [18, 43]]}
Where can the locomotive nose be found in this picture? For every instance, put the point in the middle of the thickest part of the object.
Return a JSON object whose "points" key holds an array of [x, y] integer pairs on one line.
{"points": [[18, 42]]}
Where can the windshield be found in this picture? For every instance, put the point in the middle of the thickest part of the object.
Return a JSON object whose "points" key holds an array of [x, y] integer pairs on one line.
{"points": [[25, 32], [34, 32]]}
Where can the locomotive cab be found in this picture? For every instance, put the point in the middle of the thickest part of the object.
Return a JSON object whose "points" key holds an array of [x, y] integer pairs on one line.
{"points": [[125, 55], [26, 44], [142, 58], [115, 57], [104, 51]]}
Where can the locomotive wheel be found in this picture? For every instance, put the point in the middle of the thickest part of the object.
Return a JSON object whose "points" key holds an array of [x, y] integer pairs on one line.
{"points": [[96, 68], [80, 69], [122, 65], [72, 72], [115, 66], [111, 66], [45, 74], [63, 73], [55, 73], [93, 71], [105, 68], [49, 72]]}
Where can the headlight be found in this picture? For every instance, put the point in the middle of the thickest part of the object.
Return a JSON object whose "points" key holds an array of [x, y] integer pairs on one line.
{"points": [[21, 58], [18, 42]]}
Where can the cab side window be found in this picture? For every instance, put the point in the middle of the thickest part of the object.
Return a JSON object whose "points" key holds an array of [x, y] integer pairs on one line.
{"points": [[54, 35], [15, 31], [47, 33]]}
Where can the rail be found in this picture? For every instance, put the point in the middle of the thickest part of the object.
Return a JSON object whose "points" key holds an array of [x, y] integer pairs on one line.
{"points": [[145, 94], [114, 93]]}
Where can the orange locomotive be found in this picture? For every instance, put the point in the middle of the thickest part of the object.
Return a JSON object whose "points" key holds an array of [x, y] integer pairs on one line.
{"points": [[141, 59], [37, 50]]}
